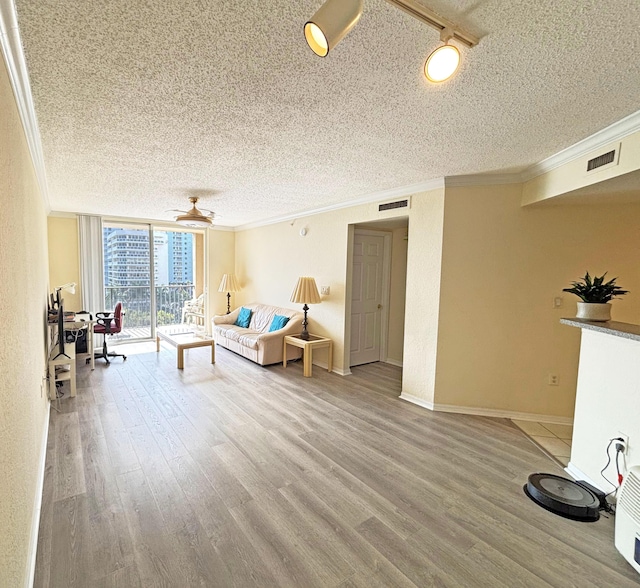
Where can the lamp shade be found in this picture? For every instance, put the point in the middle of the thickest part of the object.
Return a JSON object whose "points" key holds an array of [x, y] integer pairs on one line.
{"points": [[328, 26], [229, 284], [306, 292], [70, 287]]}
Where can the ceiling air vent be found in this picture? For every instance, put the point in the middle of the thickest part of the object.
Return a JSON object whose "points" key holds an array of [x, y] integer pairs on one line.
{"points": [[601, 160], [392, 205]]}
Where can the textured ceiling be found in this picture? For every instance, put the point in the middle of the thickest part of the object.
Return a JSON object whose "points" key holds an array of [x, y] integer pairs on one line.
{"points": [[141, 103]]}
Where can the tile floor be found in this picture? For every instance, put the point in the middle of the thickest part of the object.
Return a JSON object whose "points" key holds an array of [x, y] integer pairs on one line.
{"points": [[553, 439]]}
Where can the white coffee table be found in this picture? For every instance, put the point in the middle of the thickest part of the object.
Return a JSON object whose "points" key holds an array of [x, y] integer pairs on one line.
{"points": [[182, 340]]}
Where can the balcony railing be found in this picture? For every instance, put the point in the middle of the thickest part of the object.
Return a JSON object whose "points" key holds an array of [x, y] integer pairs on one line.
{"points": [[136, 302]]}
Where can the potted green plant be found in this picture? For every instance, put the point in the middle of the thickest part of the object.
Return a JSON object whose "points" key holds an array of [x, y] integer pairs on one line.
{"points": [[596, 294]]}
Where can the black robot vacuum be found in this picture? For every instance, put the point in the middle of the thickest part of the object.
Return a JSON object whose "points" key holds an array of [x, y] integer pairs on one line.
{"points": [[563, 497]]}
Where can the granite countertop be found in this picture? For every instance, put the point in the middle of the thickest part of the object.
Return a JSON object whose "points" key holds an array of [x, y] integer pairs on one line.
{"points": [[624, 330]]}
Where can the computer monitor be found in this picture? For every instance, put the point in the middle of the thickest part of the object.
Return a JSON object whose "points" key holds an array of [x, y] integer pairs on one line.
{"points": [[61, 338]]}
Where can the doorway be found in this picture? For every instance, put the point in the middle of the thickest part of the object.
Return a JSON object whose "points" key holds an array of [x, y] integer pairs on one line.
{"points": [[377, 272]]}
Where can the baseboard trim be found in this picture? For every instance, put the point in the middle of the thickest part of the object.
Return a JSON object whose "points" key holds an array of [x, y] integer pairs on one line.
{"points": [[416, 400], [579, 475], [393, 362], [37, 506], [323, 365], [487, 412]]}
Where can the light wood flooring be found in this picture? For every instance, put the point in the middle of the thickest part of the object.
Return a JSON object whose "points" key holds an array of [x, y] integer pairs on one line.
{"points": [[237, 475]]}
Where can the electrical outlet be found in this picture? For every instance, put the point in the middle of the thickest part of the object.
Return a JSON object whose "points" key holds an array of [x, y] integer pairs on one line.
{"points": [[625, 442], [558, 302], [553, 380], [325, 290]]}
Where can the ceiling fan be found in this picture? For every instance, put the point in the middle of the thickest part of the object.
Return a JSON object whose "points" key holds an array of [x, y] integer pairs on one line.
{"points": [[194, 217]]}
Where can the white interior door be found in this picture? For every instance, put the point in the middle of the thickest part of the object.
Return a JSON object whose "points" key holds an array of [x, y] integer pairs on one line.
{"points": [[368, 297]]}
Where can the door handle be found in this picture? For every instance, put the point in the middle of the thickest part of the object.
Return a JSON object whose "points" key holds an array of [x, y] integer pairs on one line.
{"points": [[379, 306]]}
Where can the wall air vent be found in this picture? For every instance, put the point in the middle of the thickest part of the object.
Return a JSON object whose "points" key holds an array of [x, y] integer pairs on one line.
{"points": [[601, 160], [393, 205]]}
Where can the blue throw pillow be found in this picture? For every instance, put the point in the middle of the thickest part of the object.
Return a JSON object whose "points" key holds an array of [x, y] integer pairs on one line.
{"points": [[244, 318], [278, 322]]}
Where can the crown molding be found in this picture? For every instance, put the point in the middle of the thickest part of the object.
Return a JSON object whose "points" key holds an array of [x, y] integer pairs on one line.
{"points": [[618, 130], [19, 77], [368, 199], [163, 223], [61, 214], [482, 180]]}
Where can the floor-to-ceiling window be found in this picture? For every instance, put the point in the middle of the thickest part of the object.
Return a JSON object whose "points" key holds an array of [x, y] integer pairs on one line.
{"points": [[152, 271]]}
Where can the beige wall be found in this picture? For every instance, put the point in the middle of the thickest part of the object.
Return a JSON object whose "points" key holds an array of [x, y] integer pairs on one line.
{"points": [[270, 259], [199, 270], [221, 260], [64, 261], [424, 266], [23, 292], [503, 265], [397, 294]]}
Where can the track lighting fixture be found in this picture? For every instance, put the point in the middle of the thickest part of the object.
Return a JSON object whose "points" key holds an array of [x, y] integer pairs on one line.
{"points": [[335, 18], [444, 61], [328, 26]]}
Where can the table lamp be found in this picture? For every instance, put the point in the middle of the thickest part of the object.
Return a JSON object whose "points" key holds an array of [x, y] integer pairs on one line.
{"points": [[305, 292], [229, 284], [70, 287]]}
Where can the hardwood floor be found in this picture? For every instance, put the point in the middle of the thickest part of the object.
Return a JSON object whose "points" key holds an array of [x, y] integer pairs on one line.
{"points": [[237, 475]]}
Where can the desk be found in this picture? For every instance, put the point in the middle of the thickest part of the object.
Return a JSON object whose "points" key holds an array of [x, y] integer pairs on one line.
{"points": [[81, 321], [182, 340], [307, 347]]}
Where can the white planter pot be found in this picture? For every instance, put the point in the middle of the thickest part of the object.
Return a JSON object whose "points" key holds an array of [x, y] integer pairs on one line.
{"points": [[594, 312]]}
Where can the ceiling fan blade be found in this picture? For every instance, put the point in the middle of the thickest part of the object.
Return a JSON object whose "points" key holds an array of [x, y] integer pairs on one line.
{"points": [[178, 211]]}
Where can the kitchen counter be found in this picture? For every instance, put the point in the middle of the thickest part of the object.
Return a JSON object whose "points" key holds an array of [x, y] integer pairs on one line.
{"points": [[607, 399], [624, 330]]}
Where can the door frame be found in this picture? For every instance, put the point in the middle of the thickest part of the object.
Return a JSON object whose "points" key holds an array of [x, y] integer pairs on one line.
{"points": [[385, 285]]}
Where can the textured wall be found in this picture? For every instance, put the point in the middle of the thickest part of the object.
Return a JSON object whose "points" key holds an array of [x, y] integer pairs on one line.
{"points": [[23, 290], [270, 259], [502, 266], [64, 260], [397, 294], [221, 260]]}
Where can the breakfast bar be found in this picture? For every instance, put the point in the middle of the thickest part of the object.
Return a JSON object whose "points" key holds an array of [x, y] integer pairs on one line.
{"points": [[607, 397]]}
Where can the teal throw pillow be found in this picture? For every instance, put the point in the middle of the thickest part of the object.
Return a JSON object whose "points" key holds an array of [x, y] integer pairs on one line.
{"points": [[244, 318], [278, 322]]}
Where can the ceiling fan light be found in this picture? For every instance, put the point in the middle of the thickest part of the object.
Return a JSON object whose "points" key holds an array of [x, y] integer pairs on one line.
{"points": [[190, 221], [442, 63], [328, 26]]}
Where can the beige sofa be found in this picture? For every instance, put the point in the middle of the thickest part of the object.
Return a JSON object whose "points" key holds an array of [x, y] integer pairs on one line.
{"points": [[257, 343]]}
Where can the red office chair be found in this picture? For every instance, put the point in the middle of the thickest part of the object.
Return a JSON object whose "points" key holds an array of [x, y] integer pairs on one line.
{"points": [[108, 323]]}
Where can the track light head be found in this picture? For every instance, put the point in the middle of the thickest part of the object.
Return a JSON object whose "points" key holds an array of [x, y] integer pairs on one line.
{"points": [[331, 23], [442, 63]]}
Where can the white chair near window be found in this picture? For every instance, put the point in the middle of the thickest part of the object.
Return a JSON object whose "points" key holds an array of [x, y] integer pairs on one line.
{"points": [[193, 312]]}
